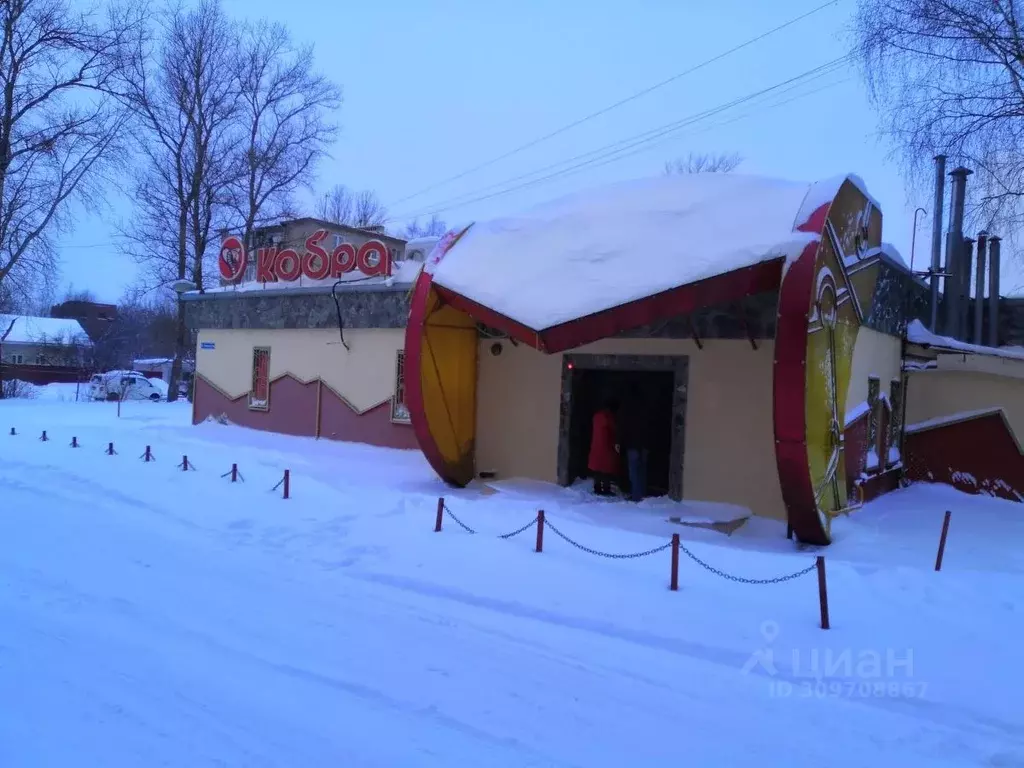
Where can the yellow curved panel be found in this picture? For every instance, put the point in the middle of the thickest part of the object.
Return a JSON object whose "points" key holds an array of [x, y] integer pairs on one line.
{"points": [[448, 364]]}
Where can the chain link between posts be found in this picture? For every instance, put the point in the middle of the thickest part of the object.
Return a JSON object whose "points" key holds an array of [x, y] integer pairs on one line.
{"points": [[635, 555], [506, 536], [609, 555], [742, 580]]}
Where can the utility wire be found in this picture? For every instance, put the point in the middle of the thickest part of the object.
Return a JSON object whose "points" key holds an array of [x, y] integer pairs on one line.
{"points": [[615, 150], [616, 105]]}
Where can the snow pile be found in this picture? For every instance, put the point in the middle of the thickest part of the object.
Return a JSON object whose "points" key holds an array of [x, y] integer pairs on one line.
{"points": [[25, 329], [918, 334], [158, 617], [605, 247]]}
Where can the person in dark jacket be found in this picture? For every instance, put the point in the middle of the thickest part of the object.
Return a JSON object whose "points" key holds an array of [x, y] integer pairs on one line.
{"points": [[635, 440], [603, 461]]}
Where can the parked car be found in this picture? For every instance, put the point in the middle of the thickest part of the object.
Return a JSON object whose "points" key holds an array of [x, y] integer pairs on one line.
{"points": [[124, 385]]}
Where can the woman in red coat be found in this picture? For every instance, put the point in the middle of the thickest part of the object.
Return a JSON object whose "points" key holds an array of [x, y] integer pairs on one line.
{"points": [[603, 461]]}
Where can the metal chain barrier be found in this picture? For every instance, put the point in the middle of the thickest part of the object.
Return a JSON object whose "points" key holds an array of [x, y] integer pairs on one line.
{"points": [[505, 536], [610, 555], [740, 579], [516, 532], [462, 525]]}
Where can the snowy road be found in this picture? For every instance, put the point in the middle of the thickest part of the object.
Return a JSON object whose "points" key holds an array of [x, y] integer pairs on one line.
{"points": [[151, 617]]}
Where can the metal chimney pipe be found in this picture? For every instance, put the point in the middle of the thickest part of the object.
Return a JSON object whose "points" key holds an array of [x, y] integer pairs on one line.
{"points": [[979, 288], [940, 186], [993, 291], [954, 247], [964, 299]]}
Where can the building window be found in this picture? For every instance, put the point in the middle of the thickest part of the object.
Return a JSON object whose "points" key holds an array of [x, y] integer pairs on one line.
{"points": [[895, 421], [41, 360], [17, 359], [399, 411], [259, 395]]}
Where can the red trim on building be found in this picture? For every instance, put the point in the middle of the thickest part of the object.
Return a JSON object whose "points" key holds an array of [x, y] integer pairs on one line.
{"points": [[684, 299], [415, 334], [790, 398], [979, 455], [293, 411], [720, 289]]}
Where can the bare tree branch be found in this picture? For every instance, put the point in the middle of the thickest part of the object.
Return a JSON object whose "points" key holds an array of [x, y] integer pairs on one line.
{"points": [[61, 124], [703, 163], [948, 78], [353, 209], [187, 100], [284, 119]]}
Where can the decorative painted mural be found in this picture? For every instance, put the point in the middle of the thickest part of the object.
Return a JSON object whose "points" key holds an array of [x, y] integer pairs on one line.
{"points": [[830, 293]]}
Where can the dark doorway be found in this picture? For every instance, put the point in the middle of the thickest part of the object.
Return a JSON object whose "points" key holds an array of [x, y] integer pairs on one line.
{"points": [[588, 381]]}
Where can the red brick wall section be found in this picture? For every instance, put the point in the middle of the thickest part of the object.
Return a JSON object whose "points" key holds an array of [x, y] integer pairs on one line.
{"points": [[293, 411], [855, 451], [979, 455]]}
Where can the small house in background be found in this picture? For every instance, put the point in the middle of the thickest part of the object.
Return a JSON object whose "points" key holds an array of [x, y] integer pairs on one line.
{"points": [[43, 350]]}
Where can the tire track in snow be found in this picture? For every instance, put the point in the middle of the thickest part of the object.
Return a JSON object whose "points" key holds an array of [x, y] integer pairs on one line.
{"points": [[945, 714]]}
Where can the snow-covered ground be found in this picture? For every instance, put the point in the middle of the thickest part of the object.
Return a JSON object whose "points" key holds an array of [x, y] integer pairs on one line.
{"points": [[150, 616]]}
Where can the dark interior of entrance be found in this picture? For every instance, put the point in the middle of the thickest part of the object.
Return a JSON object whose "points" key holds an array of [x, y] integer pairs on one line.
{"points": [[593, 387]]}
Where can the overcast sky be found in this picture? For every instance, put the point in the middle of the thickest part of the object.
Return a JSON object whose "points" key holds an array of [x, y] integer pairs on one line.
{"points": [[436, 87]]}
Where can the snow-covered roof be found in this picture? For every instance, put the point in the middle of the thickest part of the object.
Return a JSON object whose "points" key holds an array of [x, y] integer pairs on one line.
{"points": [[42, 330], [608, 246], [153, 361], [918, 334]]}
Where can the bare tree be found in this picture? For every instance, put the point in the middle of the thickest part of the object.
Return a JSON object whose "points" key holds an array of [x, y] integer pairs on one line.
{"points": [[430, 228], [284, 118], [353, 209], [186, 96], [948, 78], [703, 163], [60, 124]]}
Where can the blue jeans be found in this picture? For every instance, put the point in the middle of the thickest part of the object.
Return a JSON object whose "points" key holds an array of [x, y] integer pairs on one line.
{"points": [[636, 463]]}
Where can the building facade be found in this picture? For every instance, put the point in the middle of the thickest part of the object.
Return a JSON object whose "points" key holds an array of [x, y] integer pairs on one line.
{"points": [[310, 342], [767, 332]]}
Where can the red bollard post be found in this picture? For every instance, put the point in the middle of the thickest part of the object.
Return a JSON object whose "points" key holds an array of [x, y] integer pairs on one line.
{"points": [[14, 432], [287, 484], [822, 592], [942, 541], [148, 455], [44, 438], [184, 463], [110, 449], [234, 473], [540, 531], [440, 515], [74, 442], [674, 583]]}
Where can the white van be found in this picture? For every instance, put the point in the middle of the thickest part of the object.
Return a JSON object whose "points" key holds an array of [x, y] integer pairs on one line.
{"points": [[124, 385]]}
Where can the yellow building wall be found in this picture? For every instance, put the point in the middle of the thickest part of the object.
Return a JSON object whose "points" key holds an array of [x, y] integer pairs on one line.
{"points": [[874, 354], [960, 385], [729, 453], [364, 375]]}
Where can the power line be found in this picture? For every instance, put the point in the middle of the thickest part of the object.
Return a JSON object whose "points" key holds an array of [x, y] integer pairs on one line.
{"points": [[615, 150], [610, 107], [649, 135]]}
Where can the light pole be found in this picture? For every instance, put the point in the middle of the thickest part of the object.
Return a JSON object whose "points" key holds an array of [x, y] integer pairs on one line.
{"points": [[913, 237]]}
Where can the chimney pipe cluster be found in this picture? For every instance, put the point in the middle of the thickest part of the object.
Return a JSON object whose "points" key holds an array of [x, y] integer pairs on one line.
{"points": [[956, 319]]}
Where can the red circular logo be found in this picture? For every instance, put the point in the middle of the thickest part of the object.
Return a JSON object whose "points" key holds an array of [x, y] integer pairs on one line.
{"points": [[232, 261]]}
